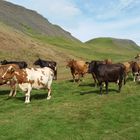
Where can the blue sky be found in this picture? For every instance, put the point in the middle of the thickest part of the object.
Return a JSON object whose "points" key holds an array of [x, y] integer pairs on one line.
{"points": [[88, 19]]}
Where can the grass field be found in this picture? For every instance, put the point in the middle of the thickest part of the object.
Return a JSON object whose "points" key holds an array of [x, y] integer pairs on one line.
{"points": [[74, 113]]}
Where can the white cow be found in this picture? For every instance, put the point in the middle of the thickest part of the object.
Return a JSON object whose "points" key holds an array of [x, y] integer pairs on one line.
{"points": [[30, 78]]}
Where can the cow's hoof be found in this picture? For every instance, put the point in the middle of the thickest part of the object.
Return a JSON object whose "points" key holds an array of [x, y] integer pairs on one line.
{"points": [[26, 102], [49, 97]]}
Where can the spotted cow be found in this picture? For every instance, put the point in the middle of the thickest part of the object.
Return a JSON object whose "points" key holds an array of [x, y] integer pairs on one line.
{"points": [[30, 78]]}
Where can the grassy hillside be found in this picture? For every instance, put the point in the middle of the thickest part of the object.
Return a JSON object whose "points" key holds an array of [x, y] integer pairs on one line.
{"points": [[21, 18], [117, 49]]}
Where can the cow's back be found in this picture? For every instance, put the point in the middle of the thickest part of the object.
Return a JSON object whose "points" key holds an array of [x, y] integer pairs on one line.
{"points": [[39, 77], [81, 66]]}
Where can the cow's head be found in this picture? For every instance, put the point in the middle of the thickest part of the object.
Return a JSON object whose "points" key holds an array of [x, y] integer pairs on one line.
{"points": [[70, 63], [91, 66], [38, 61], [4, 62], [8, 73], [138, 77]]}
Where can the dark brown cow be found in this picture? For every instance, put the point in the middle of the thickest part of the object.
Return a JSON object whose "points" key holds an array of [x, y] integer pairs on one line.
{"points": [[79, 68], [107, 73], [106, 61]]}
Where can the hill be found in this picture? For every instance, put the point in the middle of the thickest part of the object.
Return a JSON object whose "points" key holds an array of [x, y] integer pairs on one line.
{"points": [[113, 47], [28, 20]]}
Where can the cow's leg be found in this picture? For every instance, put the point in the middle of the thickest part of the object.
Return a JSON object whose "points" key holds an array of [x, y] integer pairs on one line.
{"points": [[73, 76], [11, 92], [124, 76], [79, 77], [14, 90], [94, 77], [101, 87], [106, 86], [27, 94], [134, 76], [49, 94], [120, 85], [49, 90]]}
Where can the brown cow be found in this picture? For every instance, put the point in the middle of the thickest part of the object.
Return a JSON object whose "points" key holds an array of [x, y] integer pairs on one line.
{"points": [[128, 67], [12, 82], [135, 70], [79, 68]]}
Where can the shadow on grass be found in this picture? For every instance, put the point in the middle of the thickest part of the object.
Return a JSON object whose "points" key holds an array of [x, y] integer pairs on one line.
{"points": [[98, 92], [4, 92], [89, 85], [36, 96], [39, 96]]}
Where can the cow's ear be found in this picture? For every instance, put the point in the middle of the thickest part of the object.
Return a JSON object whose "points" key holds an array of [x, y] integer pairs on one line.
{"points": [[12, 70]]}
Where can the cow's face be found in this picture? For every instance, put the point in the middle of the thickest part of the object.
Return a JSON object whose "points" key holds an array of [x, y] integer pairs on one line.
{"points": [[9, 73], [138, 77], [91, 66], [70, 63]]}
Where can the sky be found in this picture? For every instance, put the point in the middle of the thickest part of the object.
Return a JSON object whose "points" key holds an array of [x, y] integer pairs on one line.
{"points": [[88, 19]]}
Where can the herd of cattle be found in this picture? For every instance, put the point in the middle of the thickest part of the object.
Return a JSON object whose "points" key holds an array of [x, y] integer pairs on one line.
{"points": [[15, 74]]}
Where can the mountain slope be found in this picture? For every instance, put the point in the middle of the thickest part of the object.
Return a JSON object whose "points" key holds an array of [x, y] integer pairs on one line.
{"points": [[113, 48], [24, 19]]}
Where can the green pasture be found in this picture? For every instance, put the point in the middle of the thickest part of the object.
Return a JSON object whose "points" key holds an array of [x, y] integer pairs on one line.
{"points": [[73, 113]]}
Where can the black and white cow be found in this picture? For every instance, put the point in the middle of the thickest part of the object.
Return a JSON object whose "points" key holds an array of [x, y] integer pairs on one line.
{"points": [[50, 64]]}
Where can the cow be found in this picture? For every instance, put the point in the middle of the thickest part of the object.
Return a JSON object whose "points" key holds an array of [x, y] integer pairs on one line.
{"points": [[30, 78], [135, 70], [138, 77], [107, 73], [50, 64], [21, 64], [106, 61], [12, 82], [137, 56], [128, 67], [79, 68]]}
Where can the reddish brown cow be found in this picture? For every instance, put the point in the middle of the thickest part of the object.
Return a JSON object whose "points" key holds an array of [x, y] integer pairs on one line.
{"points": [[12, 82], [79, 68], [135, 70]]}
